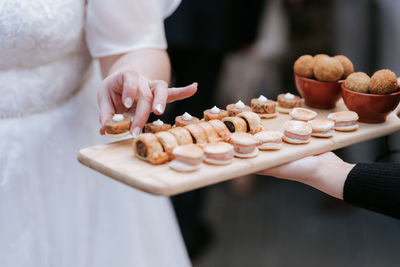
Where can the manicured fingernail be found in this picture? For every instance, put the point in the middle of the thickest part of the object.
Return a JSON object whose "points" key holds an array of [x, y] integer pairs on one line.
{"points": [[195, 84], [136, 132], [159, 108], [128, 102]]}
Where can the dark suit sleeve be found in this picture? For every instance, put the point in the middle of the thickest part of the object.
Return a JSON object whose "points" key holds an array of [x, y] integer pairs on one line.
{"points": [[374, 186]]}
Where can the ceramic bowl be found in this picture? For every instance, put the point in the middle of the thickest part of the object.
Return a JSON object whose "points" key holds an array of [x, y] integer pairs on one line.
{"points": [[317, 94], [371, 108]]}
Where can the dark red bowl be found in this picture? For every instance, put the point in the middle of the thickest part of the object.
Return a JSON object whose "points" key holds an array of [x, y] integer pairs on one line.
{"points": [[317, 94], [371, 108]]}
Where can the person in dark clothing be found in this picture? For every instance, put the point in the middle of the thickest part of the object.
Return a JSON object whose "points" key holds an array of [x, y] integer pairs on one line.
{"points": [[373, 186]]}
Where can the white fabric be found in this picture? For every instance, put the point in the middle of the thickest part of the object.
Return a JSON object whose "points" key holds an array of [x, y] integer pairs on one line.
{"points": [[113, 29], [54, 211]]}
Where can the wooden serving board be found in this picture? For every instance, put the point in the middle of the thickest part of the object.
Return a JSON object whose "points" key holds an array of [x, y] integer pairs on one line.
{"points": [[117, 161]]}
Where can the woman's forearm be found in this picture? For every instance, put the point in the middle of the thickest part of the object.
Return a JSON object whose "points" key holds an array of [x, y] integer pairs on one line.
{"points": [[151, 63]]}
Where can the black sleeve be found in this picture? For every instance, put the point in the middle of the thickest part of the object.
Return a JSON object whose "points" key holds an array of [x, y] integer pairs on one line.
{"points": [[374, 186]]}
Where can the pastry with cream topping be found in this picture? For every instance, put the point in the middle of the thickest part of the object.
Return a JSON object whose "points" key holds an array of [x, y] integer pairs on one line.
{"points": [[215, 114], [296, 132], [253, 122], [156, 126], [288, 101], [188, 158], [235, 124], [219, 153], [238, 107], [147, 147], [118, 126], [185, 119], [265, 108], [245, 145]]}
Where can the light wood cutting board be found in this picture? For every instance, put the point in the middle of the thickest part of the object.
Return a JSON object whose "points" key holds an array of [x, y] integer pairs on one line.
{"points": [[117, 161]]}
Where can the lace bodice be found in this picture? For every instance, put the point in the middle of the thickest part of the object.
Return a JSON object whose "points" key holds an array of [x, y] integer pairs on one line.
{"points": [[43, 55]]}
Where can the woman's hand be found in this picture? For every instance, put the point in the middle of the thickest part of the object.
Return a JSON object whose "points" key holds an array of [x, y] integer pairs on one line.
{"points": [[326, 172], [128, 91]]}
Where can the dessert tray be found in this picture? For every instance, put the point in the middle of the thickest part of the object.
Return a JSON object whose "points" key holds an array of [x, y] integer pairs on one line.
{"points": [[116, 160]]}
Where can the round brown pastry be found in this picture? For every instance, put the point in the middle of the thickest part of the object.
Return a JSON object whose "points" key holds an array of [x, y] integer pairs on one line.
{"points": [[198, 134], [328, 69], [118, 126], [304, 66], [383, 82], [265, 108], [211, 133], [188, 158], [215, 114], [168, 142], [288, 101], [182, 135], [347, 65], [147, 147], [156, 126], [317, 56], [185, 119], [234, 109], [358, 81], [235, 124], [253, 122], [221, 129]]}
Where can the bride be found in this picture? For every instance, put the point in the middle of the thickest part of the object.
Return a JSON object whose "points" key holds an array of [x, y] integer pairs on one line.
{"points": [[54, 212]]}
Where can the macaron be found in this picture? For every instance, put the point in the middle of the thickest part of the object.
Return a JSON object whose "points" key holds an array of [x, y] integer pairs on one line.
{"points": [[345, 121], [322, 128], [303, 114], [269, 140], [245, 145], [188, 158], [219, 153], [296, 132]]}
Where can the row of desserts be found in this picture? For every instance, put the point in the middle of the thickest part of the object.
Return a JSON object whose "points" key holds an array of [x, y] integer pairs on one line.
{"points": [[118, 126]]}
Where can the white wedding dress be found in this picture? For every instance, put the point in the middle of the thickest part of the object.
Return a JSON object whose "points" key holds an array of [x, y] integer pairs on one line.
{"points": [[53, 211]]}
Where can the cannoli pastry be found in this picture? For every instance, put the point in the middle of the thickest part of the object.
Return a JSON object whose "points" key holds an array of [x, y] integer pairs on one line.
{"points": [[168, 142], [215, 114], [265, 108], [156, 126], [185, 119], [221, 129], [182, 135], [147, 147], [188, 158], [118, 126], [211, 133], [288, 101], [198, 134], [238, 107], [235, 124], [253, 122]]}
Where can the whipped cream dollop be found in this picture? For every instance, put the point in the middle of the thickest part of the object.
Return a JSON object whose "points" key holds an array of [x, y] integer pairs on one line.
{"points": [[262, 99], [215, 110], [118, 117], [158, 122], [186, 116], [289, 96], [239, 104]]}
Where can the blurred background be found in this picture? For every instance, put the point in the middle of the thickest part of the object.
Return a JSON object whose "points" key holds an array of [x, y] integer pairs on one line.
{"points": [[238, 50]]}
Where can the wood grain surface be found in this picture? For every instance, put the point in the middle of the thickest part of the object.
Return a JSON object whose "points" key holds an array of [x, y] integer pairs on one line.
{"points": [[116, 160]]}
